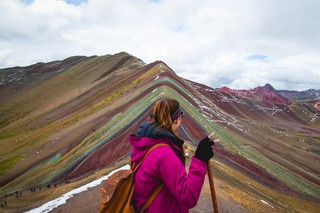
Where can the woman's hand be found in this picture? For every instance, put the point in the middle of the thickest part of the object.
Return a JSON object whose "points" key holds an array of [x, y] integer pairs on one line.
{"points": [[212, 138], [204, 150]]}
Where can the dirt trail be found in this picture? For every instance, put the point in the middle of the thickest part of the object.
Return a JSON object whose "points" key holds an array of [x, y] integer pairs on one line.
{"points": [[88, 202]]}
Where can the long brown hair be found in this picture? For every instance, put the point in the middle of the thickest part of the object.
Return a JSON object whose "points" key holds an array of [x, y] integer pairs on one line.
{"points": [[162, 112]]}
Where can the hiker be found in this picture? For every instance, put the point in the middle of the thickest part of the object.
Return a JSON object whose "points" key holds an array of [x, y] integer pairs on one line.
{"points": [[166, 164]]}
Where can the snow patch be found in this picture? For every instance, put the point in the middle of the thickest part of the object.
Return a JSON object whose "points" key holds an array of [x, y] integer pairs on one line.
{"points": [[314, 117], [262, 201], [49, 206]]}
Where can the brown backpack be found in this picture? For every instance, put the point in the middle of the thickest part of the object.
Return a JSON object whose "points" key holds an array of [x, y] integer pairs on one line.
{"points": [[121, 199]]}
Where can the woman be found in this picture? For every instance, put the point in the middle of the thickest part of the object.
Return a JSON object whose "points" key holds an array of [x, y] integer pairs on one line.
{"points": [[165, 164]]}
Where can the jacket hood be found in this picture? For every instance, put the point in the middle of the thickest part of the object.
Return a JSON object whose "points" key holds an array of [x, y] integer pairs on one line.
{"points": [[147, 136]]}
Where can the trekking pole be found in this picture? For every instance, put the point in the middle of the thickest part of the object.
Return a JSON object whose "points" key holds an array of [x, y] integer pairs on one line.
{"points": [[213, 192]]}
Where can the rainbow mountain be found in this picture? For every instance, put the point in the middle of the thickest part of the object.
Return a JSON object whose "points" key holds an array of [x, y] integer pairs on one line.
{"points": [[69, 121]]}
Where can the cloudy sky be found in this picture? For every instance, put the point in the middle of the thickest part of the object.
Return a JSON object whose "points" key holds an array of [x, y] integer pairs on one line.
{"points": [[239, 44]]}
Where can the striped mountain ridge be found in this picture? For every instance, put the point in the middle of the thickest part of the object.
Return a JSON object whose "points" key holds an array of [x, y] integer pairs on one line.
{"points": [[76, 119]]}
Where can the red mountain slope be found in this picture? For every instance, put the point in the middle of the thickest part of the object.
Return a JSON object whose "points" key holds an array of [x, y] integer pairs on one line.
{"points": [[264, 94]]}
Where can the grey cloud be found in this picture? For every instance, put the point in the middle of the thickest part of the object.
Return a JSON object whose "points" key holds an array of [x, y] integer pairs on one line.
{"points": [[213, 42]]}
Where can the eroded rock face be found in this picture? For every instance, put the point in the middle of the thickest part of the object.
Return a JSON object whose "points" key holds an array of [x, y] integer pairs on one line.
{"points": [[107, 189]]}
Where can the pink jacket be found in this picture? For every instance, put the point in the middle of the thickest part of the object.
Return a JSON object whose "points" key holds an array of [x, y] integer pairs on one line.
{"points": [[181, 190]]}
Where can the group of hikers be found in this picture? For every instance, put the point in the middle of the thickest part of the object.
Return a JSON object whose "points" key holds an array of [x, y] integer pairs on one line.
{"points": [[18, 194]]}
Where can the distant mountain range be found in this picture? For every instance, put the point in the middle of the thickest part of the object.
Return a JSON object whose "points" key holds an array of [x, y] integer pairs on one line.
{"points": [[264, 94], [26, 76], [69, 121], [300, 96]]}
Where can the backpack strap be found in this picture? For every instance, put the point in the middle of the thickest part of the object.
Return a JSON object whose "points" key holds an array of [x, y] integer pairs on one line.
{"points": [[158, 189], [152, 197]]}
